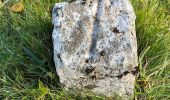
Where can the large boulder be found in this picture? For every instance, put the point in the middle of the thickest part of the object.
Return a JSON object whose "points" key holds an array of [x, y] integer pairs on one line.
{"points": [[95, 45]]}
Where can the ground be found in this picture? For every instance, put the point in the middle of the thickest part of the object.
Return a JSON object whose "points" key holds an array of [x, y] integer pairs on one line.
{"points": [[27, 70]]}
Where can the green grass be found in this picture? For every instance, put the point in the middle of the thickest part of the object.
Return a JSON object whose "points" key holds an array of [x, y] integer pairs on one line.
{"points": [[153, 34], [26, 66]]}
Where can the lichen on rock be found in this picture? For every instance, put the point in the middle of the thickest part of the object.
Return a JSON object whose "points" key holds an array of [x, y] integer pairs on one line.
{"points": [[95, 45]]}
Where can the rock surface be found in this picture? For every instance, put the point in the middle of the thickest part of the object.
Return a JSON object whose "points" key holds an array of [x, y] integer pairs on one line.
{"points": [[95, 45]]}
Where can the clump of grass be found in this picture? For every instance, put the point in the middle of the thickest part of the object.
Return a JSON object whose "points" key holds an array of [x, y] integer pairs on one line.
{"points": [[26, 51], [153, 35], [26, 65]]}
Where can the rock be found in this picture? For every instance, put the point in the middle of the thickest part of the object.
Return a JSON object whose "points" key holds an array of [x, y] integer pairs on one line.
{"points": [[95, 45]]}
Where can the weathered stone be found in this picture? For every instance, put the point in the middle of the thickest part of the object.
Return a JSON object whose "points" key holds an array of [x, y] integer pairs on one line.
{"points": [[95, 45]]}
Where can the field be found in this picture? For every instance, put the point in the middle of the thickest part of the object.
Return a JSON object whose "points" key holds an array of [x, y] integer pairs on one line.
{"points": [[27, 69]]}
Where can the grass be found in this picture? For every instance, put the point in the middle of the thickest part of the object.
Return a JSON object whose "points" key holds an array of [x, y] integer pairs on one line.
{"points": [[153, 34], [26, 66]]}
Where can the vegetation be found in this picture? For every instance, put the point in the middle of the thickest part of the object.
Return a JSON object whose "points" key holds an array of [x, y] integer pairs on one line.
{"points": [[153, 34], [27, 70]]}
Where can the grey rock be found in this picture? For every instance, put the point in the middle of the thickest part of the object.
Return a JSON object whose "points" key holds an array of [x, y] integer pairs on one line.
{"points": [[95, 45]]}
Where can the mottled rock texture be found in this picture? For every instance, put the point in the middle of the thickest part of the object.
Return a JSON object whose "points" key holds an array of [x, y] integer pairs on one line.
{"points": [[95, 45]]}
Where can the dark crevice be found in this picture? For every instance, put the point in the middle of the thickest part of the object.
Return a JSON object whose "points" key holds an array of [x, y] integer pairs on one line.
{"points": [[115, 30], [96, 27], [87, 61], [71, 1], [83, 2], [119, 76], [91, 86], [133, 72], [125, 73], [59, 57], [102, 53], [93, 77], [89, 70], [90, 3], [106, 75], [132, 33]]}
